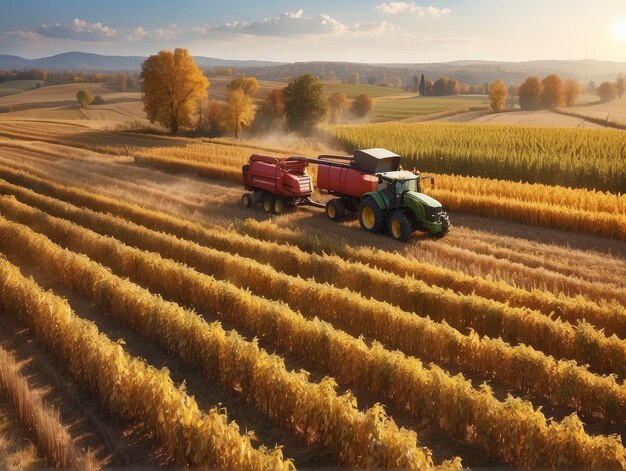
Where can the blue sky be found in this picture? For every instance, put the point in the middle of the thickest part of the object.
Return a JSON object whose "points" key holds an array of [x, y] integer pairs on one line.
{"points": [[364, 31]]}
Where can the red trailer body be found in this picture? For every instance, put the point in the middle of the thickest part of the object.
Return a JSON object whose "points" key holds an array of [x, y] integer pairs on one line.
{"points": [[282, 177], [345, 181]]}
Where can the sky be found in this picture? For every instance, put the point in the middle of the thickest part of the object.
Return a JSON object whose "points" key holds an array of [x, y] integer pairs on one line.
{"points": [[375, 31]]}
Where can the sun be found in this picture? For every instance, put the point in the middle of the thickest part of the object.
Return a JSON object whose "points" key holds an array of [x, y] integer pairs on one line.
{"points": [[619, 30]]}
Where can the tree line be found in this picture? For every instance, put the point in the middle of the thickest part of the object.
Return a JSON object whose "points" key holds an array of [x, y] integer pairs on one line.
{"points": [[551, 92]]}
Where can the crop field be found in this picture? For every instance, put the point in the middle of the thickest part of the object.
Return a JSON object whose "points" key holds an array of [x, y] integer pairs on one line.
{"points": [[174, 327], [11, 87]]}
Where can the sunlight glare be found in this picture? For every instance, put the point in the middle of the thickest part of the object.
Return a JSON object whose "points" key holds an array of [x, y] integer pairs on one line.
{"points": [[619, 30]]}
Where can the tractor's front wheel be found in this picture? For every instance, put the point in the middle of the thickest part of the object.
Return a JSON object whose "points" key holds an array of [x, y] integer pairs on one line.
{"points": [[335, 209], [370, 216], [400, 226], [445, 225]]}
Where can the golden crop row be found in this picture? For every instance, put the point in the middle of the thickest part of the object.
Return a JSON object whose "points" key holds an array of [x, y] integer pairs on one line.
{"points": [[127, 386], [51, 437], [611, 317], [537, 214], [432, 393], [287, 397], [581, 158], [519, 366], [572, 198], [494, 319]]}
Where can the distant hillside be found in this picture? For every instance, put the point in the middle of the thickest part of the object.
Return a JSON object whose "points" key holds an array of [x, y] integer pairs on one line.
{"points": [[471, 72], [96, 62]]}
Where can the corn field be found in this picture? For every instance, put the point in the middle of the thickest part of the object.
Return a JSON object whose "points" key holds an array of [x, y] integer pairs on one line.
{"points": [[331, 347]]}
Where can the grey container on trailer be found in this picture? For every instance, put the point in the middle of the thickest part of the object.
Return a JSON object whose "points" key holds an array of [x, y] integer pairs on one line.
{"points": [[376, 160]]}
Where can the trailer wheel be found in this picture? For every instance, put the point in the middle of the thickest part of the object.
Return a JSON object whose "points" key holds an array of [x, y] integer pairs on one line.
{"points": [[247, 200], [400, 226], [279, 206], [370, 216], [335, 209], [268, 204]]}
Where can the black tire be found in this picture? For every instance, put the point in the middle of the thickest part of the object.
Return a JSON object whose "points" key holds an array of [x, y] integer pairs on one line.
{"points": [[268, 205], [370, 216], [399, 226], [248, 200], [279, 206], [335, 209], [445, 225]]}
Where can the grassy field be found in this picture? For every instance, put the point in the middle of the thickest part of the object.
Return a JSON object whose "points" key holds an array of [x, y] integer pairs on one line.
{"points": [[11, 87], [352, 91], [406, 108]]}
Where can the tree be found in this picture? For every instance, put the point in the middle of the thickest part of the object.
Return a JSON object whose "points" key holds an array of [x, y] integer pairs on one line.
{"points": [[355, 79], [415, 86], [620, 85], [453, 87], [275, 103], [591, 88], [336, 103], [172, 86], [486, 88], [497, 95], [305, 105], [552, 95], [607, 91], [371, 80], [210, 117], [440, 87], [422, 86], [530, 94], [84, 98], [239, 111], [571, 91], [362, 105], [396, 82], [249, 85], [429, 88]]}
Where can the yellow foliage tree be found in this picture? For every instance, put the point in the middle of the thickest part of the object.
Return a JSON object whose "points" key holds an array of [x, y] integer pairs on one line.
{"points": [[571, 91], [239, 111], [172, 86], [336, 103], [249, 85], [497, 95]]}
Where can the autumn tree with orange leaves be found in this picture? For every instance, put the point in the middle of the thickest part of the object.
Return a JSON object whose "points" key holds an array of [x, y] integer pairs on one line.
{"points": [[172, 86]]}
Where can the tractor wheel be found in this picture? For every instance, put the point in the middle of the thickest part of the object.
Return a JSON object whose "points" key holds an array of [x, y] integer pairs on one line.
{"points": [[400, 226], [335, 209], [279, 206], [248, 200], [445, 225], [268, 204], [370, 216]]}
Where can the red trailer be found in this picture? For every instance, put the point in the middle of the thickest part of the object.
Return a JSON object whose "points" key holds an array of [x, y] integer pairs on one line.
{"points": [[276, 182]]}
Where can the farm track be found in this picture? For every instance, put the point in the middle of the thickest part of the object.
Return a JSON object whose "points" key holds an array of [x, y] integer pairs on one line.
{"points": [[531, 270]]}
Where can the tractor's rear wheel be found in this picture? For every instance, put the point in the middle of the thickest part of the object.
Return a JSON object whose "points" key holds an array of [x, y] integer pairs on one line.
{"points": [[247, 200], [400, 226], [370, 216], [268, 204], [335, 209]]}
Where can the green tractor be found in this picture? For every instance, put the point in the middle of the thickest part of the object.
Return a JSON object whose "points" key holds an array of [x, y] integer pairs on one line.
{"points": [[399, 207]]}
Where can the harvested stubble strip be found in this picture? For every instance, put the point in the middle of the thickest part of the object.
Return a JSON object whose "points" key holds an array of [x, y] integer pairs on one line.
{"points": [[511, 430], [562, 382], [52, 438], [609, 317], [126, 386], [289, 398]]}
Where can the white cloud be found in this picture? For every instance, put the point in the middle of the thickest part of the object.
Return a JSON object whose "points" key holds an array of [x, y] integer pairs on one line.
{"points": [[375, 28], [285, 25], [411, 7], [78, 29]]}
